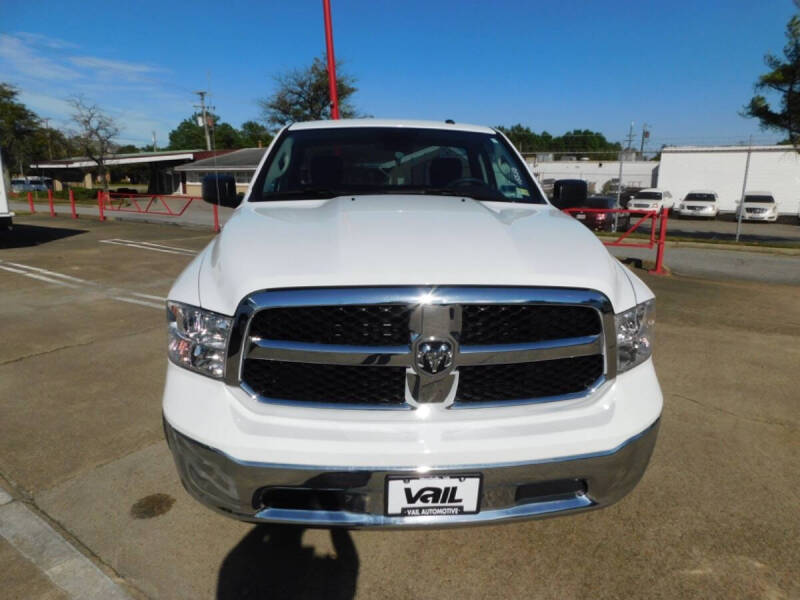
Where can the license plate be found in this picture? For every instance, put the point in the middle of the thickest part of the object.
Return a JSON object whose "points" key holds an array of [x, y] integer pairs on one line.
{"points": [[580, 217], [433, 496]]}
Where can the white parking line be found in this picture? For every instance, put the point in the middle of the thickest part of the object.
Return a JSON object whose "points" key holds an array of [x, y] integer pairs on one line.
{"points": [[50, 273], [141, 302], [77, 283], [39, 277], [67, 568], [150, 246], [148, 296]]}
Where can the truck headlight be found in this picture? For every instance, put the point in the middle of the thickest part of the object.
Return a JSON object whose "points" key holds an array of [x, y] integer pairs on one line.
{"points": [[635, 329], [197, 338]]}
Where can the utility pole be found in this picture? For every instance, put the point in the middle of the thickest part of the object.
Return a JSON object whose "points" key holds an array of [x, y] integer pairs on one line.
{"points": [[155, 147], [202, 106], [645, 135], [621, 160], [744, 189], [49, 145]]}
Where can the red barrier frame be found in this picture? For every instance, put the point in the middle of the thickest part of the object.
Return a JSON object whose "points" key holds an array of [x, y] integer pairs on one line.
{"points": [[152, 200], [72, 204], [658, 220]]}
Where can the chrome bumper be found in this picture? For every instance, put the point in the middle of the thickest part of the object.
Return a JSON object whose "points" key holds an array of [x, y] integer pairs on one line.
{"points": [[237, 488]]}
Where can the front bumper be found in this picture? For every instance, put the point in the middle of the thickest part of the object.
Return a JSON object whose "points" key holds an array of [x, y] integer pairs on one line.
{"points": [[354, 496], [759, 217], [703, 212]]}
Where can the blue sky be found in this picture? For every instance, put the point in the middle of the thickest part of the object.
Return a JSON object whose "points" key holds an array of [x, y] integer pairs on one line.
{"points": [[684, 67]]}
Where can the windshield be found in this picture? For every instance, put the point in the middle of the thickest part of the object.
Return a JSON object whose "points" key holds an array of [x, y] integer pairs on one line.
{"points": [[324, 163], [647, 196], [698, 197], [767, 199]]}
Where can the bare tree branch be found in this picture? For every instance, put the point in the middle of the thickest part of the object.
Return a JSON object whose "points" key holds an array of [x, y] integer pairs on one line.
{"points": [[95, 133]]}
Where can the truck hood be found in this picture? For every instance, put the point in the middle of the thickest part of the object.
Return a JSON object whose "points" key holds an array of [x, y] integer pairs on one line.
{"points": [[393, 240]]}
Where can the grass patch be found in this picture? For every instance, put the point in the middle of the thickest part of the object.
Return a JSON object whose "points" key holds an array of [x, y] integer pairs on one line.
{"points": [[712, 241]]}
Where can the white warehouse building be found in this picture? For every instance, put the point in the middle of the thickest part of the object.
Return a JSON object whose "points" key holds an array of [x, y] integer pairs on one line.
{"points": [[639, 173], [774, 169]]}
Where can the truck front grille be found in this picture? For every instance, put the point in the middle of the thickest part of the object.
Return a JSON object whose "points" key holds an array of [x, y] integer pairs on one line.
{"points": [[334, 384], [359, 325], [366, 347], [510, 324], [542, 379]]}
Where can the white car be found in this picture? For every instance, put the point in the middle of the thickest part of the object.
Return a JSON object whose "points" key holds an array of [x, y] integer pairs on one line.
{"points": [[759, 206], [651, 199], [396, 329], [699, 203]]}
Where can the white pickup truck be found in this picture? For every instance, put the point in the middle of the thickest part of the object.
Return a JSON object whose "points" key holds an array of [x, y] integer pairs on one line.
{"points": [[396, 329], [6, 216]]}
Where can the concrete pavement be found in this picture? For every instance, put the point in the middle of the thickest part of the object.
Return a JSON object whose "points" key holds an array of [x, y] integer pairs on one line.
{"points": [[80, 436]]}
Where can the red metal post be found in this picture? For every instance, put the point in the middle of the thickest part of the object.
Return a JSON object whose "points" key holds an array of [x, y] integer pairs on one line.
{"points": [[72, 203], [50, 202], [662, 238], [30, 203], [216, 218], [326, 8], [100, 204]]}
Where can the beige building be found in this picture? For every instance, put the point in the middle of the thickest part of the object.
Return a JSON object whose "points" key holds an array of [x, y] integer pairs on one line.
{"points": [[241, 164]]}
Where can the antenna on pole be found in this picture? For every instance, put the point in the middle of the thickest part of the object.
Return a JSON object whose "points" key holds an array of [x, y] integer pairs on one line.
{"points": [[202, 106], [326, 9]]}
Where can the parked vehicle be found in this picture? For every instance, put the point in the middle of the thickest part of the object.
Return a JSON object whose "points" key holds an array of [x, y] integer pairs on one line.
{"points": [[759, 206], [627, 194], [600, 221], [396, 329], [651, 199], [699, 203], [31, 184]]}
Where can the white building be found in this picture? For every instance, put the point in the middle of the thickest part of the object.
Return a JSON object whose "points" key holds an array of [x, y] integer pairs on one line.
{"points": [[640, 173], [774, 169]]}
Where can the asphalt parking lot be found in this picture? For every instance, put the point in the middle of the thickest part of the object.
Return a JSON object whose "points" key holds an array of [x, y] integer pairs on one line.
{"points": [[717, 514]]}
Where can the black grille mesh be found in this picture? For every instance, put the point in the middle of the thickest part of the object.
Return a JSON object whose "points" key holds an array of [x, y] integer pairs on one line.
{"points": [[373, 325], [510, 324], [492, 383], [333, 384]]}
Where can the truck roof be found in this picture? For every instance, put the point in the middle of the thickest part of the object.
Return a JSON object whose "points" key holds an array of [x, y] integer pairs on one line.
{"points": [[331, 124]]}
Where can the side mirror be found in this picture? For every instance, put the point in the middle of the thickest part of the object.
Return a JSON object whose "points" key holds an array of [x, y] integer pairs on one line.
{"points": [[570, 193], [221, 189]]}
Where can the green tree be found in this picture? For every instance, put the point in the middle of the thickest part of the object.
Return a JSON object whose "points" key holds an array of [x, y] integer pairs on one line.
{"points": [[253, 134], [783, 81], [17, 128], [188, 135], [302, 95], [226, 137], [572, 142]]}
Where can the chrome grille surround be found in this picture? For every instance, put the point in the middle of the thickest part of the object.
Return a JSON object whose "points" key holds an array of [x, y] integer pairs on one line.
{"points": [[436, 316]]}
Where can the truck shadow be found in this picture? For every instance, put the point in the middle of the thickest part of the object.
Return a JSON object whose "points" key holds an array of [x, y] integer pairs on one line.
{"points": [[24, 236], [271, 562]]}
